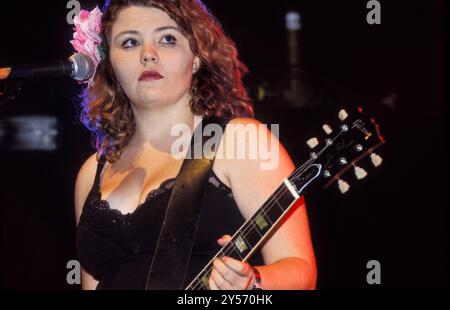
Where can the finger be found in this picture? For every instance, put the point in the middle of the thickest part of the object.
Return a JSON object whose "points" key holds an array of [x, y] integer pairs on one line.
{"points": [[240, 281], [241, 268], [212, 284], [226, 272], [219, 281], [224, 240]]}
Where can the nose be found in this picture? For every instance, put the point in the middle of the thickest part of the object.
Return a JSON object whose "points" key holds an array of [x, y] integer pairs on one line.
{"points": [[149, 54]]}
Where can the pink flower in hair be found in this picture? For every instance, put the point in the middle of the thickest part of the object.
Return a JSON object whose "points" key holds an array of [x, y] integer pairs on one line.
{"points": [[87, 37]]}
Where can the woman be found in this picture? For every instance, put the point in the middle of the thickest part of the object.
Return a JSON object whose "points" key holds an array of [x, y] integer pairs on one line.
{"points": [[166, 62]]}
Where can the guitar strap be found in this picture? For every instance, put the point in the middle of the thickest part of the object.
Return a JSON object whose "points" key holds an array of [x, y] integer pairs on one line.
{"points": [[172, 255]]}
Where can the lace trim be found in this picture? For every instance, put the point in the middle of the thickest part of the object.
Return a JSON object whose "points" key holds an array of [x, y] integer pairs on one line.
{"points": [[104, 206]]}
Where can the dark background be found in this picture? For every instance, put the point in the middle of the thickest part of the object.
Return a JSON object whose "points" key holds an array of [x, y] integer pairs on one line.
{"points": [[398, 215]]}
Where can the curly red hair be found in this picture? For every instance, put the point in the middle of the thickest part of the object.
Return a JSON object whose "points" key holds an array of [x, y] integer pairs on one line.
{"points": [[217, 87]]}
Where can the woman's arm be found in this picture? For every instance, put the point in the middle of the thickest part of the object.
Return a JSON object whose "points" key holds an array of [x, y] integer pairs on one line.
{"points": [[288, 254], [83, 184]]}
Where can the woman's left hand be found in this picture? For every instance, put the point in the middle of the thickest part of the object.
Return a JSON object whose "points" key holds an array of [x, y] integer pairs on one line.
{"points": [[229, 273]]}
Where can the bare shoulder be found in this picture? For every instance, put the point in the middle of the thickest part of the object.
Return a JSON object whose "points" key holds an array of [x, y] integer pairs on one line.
{"points": [[252, 161], [84, 181], [235, 133], [251, 129], [242, 124], [244, 120], [256, 146], [254, 178]]}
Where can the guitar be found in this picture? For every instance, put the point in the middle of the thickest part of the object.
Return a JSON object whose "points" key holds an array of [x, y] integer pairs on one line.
{"points": [[354, 138]]}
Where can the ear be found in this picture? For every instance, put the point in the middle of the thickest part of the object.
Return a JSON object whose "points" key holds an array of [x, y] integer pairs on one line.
{"points": [[196, 64]]}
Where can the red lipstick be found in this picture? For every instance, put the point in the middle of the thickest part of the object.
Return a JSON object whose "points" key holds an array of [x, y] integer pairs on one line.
{"points": [[150, 75]]}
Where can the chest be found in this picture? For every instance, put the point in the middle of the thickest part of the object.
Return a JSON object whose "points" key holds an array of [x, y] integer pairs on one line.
{"points": [[125, 188]]}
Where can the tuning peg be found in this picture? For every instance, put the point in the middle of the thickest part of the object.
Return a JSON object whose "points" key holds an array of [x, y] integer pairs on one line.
{"points": [[376, 159], [312, 143], [327, 129], [343, 186], [360, 172], [342, 114]]}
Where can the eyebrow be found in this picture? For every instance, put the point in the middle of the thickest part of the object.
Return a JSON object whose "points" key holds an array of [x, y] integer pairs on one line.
{"points": [[159, 29]]}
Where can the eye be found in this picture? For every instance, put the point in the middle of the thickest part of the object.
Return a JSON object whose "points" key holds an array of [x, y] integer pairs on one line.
{"points": [[129, 43], [169, 39]]}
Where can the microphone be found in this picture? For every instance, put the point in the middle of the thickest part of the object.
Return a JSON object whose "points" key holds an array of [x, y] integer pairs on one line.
{"points": [[78, 66]]}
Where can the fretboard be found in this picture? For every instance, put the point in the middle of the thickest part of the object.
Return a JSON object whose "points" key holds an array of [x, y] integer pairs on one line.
{"points": [[254, 231]]}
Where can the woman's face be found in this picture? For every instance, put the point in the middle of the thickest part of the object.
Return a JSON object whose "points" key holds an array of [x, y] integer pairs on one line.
{"points": [[146, 39]]}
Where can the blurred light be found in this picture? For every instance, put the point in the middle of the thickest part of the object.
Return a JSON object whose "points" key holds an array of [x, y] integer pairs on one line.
{"points": [[293, 21], [29, 133]]}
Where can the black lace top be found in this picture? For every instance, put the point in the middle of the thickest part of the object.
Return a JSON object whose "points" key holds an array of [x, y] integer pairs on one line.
{"points": [[117, 249]]}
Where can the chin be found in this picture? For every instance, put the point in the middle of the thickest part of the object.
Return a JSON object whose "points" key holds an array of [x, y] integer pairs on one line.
{"points": [[149, 95], [154, 99]]}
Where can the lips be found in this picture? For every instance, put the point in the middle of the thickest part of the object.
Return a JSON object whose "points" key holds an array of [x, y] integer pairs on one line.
{"points": [[150, 76]]}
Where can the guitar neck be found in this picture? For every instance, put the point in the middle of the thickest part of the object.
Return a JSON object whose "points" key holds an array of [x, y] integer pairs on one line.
{"points": [[255, 230], [353, 140]]}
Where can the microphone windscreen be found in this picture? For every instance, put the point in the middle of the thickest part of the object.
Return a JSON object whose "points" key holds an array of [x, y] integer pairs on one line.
{"points": [[83, 67]]}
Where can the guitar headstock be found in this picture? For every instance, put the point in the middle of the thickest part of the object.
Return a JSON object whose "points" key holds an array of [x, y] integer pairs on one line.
{"points": [[341, 146]]}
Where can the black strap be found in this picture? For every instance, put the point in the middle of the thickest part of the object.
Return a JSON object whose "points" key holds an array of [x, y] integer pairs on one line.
{"points": [[101, 163], [173, 251]]}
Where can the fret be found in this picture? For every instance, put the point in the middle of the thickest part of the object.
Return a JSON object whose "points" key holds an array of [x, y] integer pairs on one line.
{"points": [[262, 220], [273, 213], [195, 285], [251, 233], [286, 199], [245, 235], [279, 205], [201, 281], [234, 253], [204, 281], [254, 227], [253, 236], [240, 244], [201, 287]]}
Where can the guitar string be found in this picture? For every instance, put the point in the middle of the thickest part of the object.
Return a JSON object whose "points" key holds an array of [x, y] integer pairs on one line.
{"points": [[247, 228], [263, 211], [228, 249], [274, 197]]}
